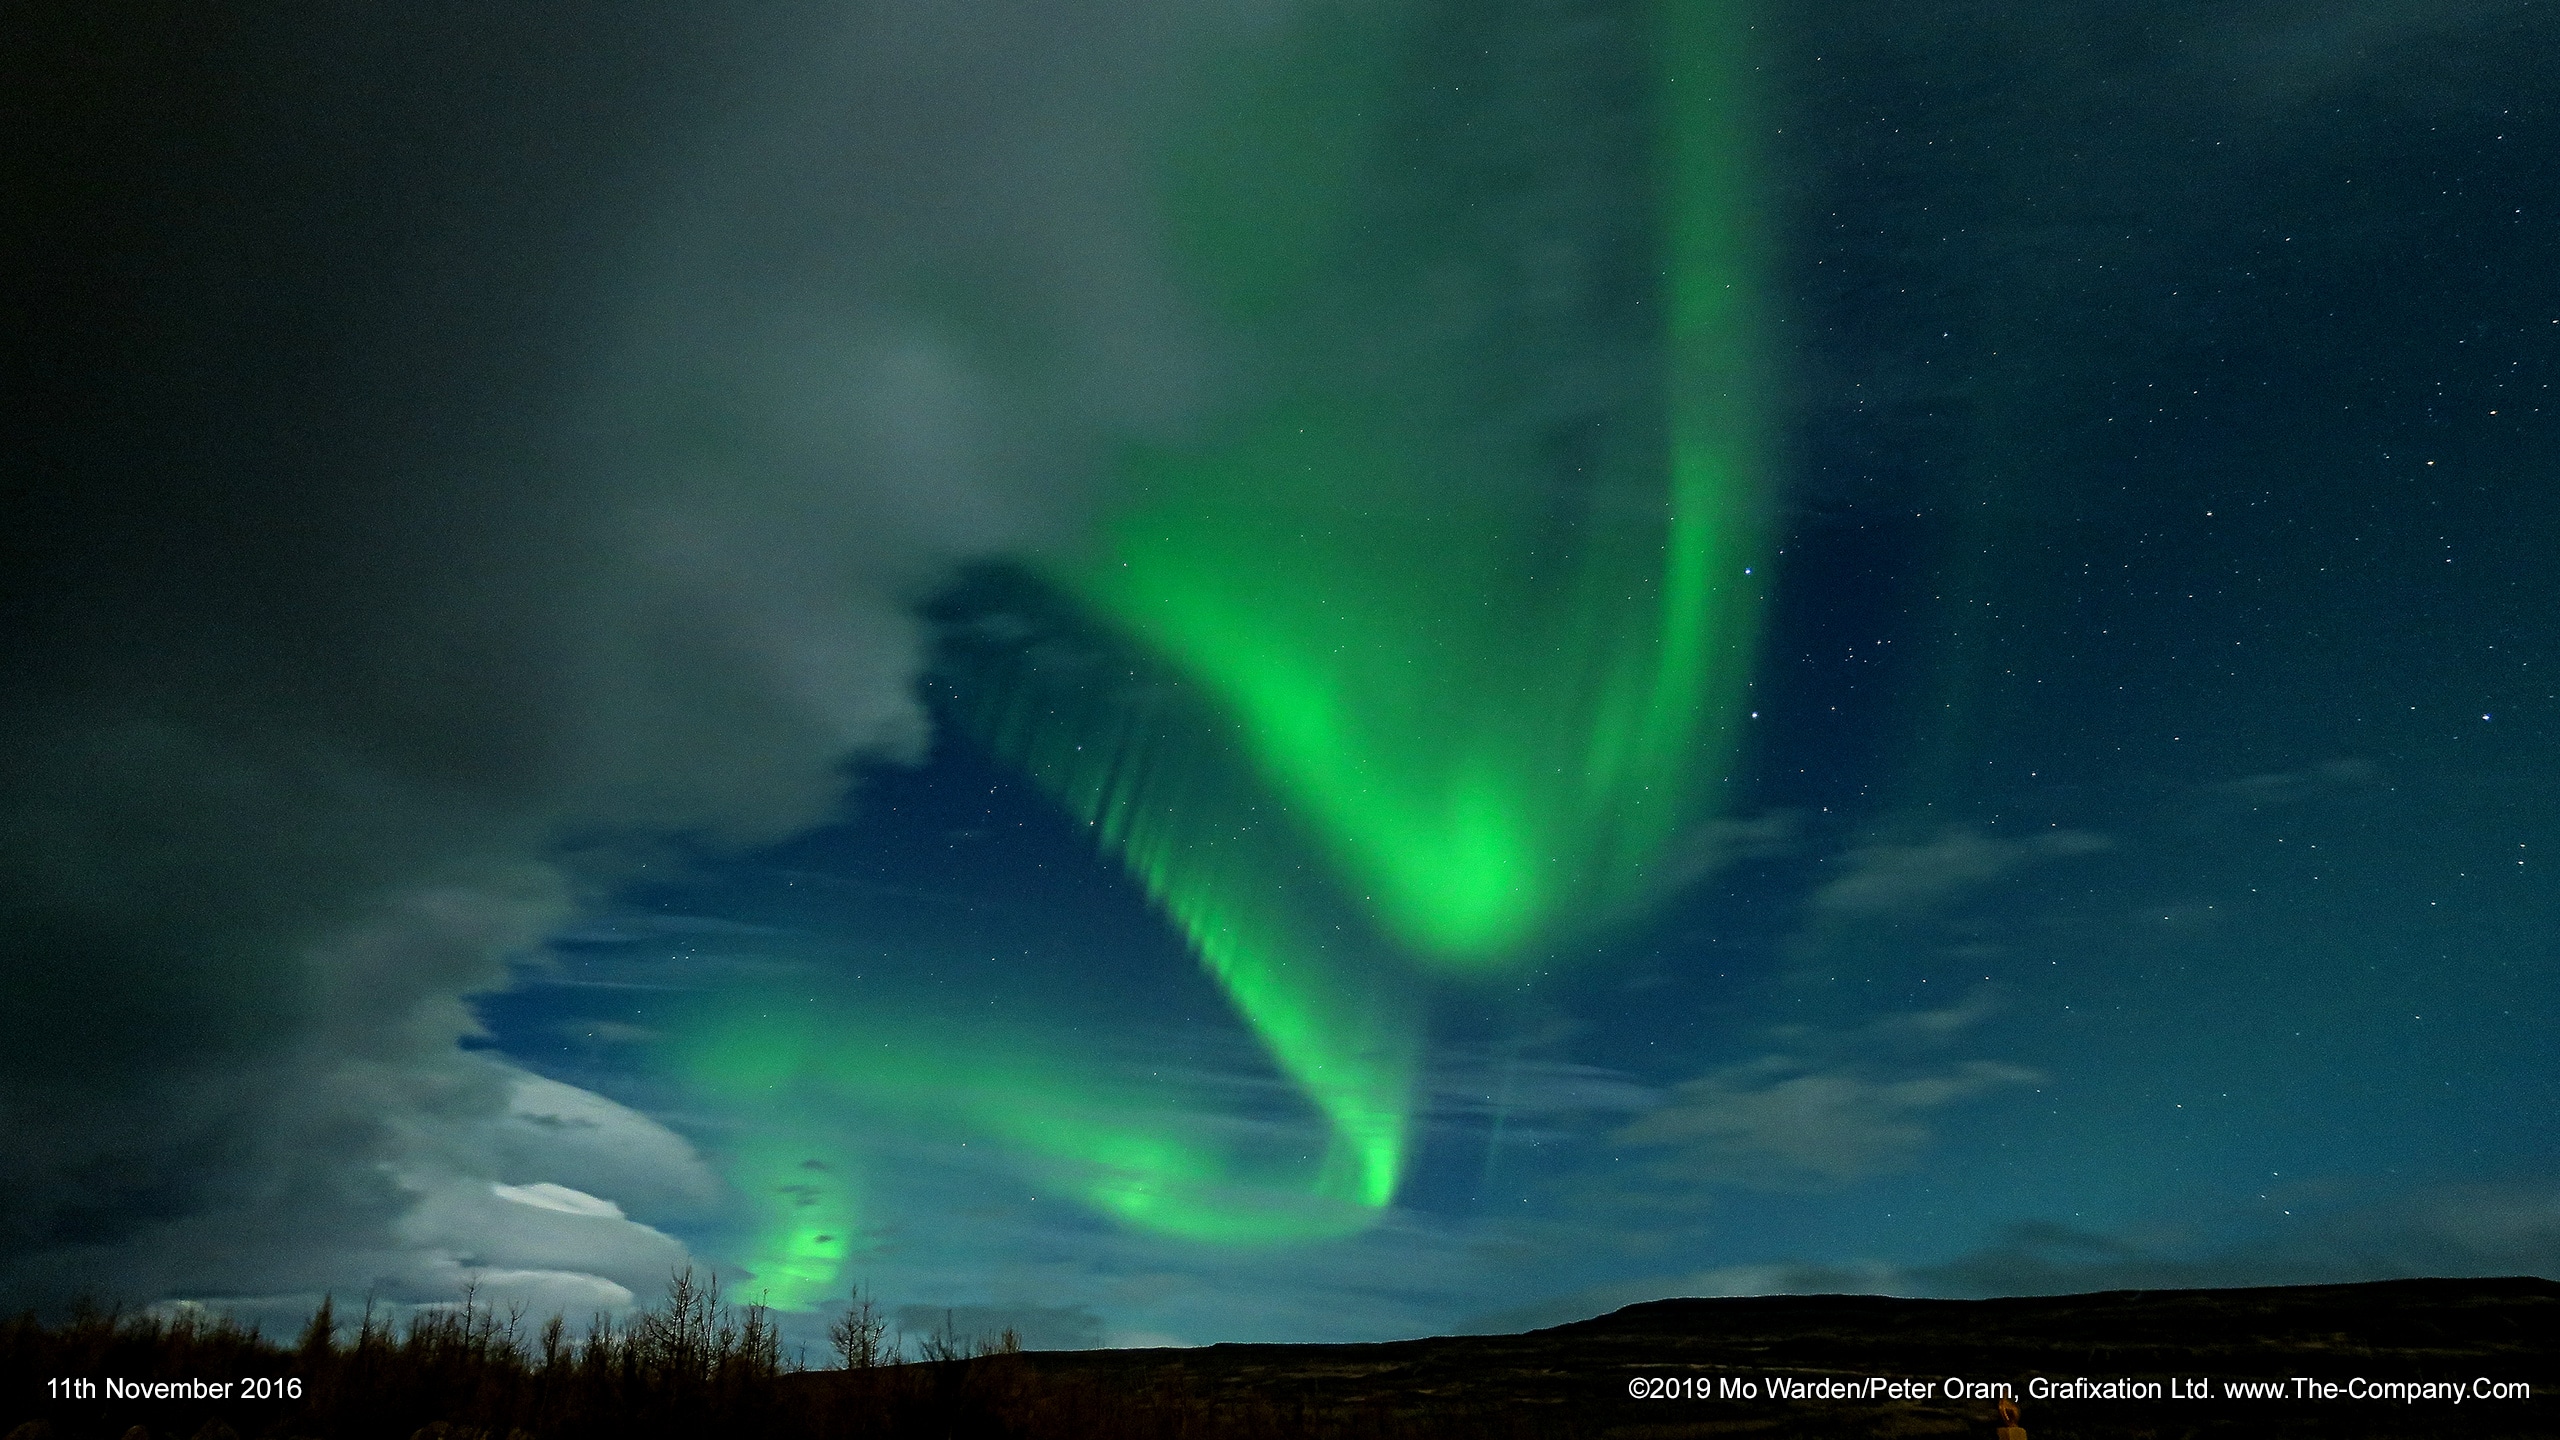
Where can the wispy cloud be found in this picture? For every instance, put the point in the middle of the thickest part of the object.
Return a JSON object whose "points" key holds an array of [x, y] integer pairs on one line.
{"points": [[1887, 879], [2283, 53], [1780, 1121], [1727, 840], [1831, 1108], [1465, 1085]]}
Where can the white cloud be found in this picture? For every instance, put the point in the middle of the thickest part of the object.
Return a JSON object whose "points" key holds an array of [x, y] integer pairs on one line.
{"points": [[463, 1226], [547, 1196], [577, 1137], [549, 1292], [1840, 1107]]}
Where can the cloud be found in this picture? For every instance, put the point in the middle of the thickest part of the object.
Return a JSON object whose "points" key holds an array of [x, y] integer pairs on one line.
{"points": [[1936, 1026], [1840, 1108], [460, 1228], [1886, 879], [2286, 53], [1778, 1121], [547, 1196], [449, 485], [564, 1134], [2326, 780], [1463, 1085], [1724, 841]]}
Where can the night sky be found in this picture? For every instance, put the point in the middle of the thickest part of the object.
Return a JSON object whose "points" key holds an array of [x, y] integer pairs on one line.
{"points": [[1276, 669]]}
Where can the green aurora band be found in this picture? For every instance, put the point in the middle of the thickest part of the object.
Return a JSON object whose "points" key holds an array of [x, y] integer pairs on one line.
{"points": [[1422, 722]]}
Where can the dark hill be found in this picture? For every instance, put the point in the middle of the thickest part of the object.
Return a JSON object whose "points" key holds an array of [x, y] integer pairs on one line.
{"points": [[1573, 1379]]}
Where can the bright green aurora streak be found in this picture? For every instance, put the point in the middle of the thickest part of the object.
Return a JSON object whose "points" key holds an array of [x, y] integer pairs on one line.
{"points": [[1447, 686]]}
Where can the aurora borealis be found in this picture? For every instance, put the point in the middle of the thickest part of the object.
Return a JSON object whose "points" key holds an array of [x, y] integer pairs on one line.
{"points": [[1285, 669], [1386, 638]]}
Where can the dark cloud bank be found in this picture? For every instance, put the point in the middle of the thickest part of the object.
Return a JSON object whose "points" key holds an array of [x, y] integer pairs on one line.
{"points": [[449, 439]]}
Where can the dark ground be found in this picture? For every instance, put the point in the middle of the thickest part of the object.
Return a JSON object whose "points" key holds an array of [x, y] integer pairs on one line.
{"points": [[1573, 1379], [688, 1370]]}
